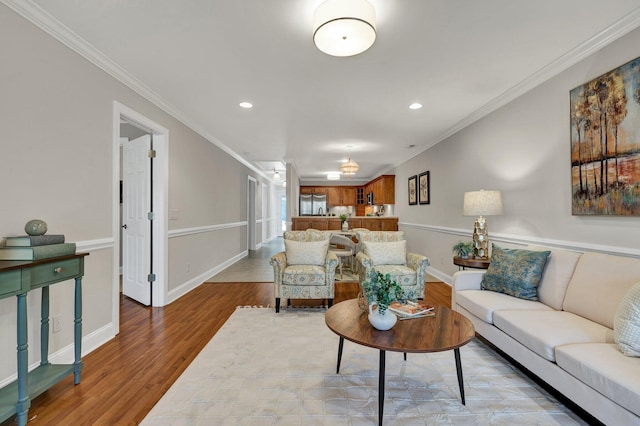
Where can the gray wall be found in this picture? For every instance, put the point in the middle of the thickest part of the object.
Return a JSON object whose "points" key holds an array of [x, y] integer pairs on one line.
{"points": [[522, 149], [57, 150]]}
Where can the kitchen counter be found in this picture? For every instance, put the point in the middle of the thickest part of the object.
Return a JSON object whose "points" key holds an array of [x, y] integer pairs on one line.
{"points": [[333, 223]]}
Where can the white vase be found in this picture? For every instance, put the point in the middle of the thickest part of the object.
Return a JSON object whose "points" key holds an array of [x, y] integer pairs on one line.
{"points": [[381, 322], [345, 226]]}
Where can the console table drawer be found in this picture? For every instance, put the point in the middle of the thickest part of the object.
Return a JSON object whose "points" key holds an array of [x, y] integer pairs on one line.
{"points": [[10, 283], [53, 272]]}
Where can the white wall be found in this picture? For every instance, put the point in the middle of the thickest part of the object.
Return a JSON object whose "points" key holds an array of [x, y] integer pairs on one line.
{"points": [[522, 149], [56, 116]]}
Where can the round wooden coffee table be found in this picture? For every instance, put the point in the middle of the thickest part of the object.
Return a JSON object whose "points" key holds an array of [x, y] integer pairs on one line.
{"points": [[447, 330]]}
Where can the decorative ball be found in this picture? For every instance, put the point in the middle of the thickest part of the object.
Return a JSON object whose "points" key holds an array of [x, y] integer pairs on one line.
{"points": [[36, 227]]}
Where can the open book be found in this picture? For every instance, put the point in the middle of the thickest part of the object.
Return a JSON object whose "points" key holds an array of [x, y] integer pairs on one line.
{"points": [[411, 309]]}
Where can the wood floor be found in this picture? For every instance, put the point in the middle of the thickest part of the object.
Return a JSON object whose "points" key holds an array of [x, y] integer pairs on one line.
{"points": [[123, 379]]}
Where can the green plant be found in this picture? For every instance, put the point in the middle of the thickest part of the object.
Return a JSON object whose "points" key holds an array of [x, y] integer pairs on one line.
{"points": [[462, 249], [382, 290], [343, 217]]}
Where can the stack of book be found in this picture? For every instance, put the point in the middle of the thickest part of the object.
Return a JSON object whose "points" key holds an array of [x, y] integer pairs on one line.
{"points": [[35, 247]]}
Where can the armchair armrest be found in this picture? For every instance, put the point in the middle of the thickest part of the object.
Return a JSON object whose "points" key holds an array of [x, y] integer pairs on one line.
{"points": [[465, 280], [365, 264], [417, 262], [331, 262]]}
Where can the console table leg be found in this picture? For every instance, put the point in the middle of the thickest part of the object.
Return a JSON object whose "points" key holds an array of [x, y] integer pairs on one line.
{"points": [[340, 346], [381, 388], [23, 403], [456, 353], [77, 332], [44, 326]]}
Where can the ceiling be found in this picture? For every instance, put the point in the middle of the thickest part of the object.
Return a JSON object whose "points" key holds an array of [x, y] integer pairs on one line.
{"points": [[198, 59]]}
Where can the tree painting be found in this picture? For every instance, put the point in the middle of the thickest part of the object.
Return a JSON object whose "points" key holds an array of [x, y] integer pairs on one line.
{"points": [[605, 143]]}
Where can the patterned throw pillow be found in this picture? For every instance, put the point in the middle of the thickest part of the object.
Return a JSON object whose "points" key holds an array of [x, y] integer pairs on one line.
{"points": [[515, 272], [306, 253], [387, 253], [626, 324]]}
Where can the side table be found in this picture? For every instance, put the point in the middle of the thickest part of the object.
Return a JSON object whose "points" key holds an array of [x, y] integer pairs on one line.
{"points": [[471, 263]]}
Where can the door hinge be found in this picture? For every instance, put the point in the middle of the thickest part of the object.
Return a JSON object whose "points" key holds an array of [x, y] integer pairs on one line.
{"points": [[151, 153], [151, 216], [151, 278]]}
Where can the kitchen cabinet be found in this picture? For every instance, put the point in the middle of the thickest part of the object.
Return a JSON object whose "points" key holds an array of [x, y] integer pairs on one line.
{"points": [[383, 188], [313, 190], [325, 223], [341, 196]]}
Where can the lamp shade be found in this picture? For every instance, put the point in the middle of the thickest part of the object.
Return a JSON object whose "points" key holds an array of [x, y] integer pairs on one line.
{"points": [[482, 203], [344, 27]]}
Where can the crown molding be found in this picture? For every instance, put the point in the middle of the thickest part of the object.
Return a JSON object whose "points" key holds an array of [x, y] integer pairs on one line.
{"points": [[46, 22], [600, 40]]}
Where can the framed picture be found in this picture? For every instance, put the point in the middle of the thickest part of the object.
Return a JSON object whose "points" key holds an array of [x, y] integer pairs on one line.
{"points": [[605, 143], [423, 188], [413, 194]]}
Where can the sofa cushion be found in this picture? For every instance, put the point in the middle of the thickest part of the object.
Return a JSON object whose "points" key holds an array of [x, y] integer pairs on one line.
{"points": [[515, 272], [543, 331], [306, 253], [304, 275], [603, 367], [556, 276], [626, 325], [387, 253], [599, 283], [483, 303]]}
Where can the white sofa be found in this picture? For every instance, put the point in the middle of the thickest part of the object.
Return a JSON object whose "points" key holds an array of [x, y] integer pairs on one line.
{"points": [[566, 338]]}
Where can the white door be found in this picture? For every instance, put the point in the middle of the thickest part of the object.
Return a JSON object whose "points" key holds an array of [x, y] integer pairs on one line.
{"points": [[136, 233]]}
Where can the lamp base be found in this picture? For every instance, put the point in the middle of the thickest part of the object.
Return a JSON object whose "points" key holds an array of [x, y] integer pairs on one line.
{"points": [[481, 238]]}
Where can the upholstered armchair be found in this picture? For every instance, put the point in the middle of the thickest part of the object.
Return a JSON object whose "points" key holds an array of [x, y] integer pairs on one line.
{"points": [[306, 269], [385, 252]]}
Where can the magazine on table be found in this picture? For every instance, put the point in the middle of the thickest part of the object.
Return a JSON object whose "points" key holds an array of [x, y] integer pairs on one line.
{"points": [[411, 309]]}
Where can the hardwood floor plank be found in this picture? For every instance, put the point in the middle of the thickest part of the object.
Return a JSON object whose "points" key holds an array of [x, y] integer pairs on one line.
{"points": [[123, 379]]}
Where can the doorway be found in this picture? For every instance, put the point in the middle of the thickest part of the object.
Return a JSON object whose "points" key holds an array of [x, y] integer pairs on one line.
{"points": [[251, 213], [155, 240]]}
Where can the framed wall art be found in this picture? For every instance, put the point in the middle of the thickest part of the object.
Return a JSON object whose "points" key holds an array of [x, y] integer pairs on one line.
{"points": [[413, 194], [423, 188], [605, 143]]}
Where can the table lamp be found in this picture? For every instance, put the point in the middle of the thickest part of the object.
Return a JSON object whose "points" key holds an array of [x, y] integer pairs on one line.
{"points": [[482, 203]]}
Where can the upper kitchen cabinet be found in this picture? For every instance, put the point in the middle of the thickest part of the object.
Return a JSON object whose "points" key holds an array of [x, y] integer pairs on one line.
{"points": [[313, 190], [383, 189], [341, 196]]}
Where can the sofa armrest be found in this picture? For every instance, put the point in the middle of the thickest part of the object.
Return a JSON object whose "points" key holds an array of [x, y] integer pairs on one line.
{"points": [[465, 280]]}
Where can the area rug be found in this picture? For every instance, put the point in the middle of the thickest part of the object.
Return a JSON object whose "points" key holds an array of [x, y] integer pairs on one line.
{"points": [[263, 368]]}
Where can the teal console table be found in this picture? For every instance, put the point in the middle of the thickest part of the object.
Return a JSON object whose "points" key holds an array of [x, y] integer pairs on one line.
{"points": [[17, 278]]}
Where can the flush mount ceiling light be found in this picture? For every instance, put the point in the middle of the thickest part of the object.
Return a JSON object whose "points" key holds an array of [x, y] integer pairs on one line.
{"points": [[344, 27], [276, 175], [415, 105], [246, 105], [333, 176]]}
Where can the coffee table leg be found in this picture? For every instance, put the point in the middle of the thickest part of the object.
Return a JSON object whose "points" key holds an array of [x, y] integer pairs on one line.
{"points": [[456, 352], [340, 345], [381, 388]]}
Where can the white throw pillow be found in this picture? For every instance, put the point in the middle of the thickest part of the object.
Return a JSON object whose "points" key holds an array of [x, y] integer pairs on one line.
{"points": [[387, 253], [306, 252], [626, 324]]}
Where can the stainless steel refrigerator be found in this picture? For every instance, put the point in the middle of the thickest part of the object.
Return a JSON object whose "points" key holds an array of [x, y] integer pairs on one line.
{"points": [[313, 204]]}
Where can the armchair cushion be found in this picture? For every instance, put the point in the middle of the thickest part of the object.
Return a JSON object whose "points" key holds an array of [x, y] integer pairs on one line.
{"points": [[306, 253], [387, 253], [401, 274], [304, 275]]}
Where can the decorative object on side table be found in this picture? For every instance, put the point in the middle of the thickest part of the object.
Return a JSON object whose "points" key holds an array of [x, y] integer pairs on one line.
{"points": [[36, 227], [463, 249], [380, 291], [344, 225]]}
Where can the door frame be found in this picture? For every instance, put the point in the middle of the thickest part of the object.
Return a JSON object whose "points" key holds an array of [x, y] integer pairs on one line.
{"points": [[252, 184], [160, 231]]}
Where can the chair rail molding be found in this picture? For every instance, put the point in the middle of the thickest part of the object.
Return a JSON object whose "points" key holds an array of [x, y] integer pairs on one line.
{"points": [[207, 228], [526, 240]]}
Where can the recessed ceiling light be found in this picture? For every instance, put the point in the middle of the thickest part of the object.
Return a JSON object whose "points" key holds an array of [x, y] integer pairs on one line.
{"points": [[415, 105], [246, 105]]}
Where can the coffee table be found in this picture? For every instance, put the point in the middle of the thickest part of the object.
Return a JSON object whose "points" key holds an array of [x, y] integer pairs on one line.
{"points": [[447, 330]]}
